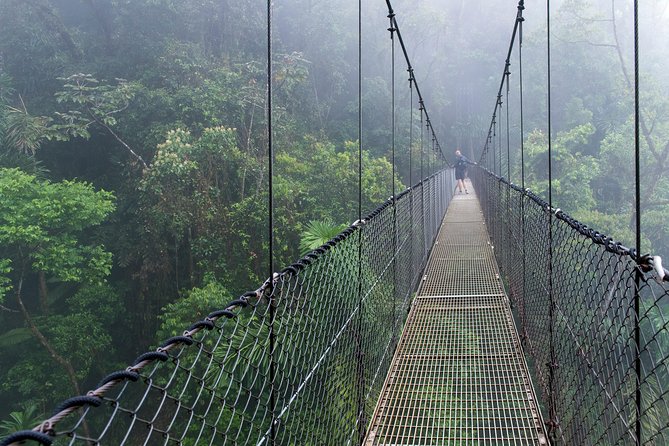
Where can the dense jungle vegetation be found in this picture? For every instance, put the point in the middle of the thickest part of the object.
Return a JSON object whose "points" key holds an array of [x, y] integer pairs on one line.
{"points": [[133, 151]]}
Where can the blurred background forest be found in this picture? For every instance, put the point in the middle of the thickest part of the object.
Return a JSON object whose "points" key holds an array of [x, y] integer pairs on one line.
{"points": [[133, 150]]}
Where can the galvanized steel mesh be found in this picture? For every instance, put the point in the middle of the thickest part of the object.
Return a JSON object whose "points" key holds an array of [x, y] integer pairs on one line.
{"points": [[458, 376], [586, 345], [337, 319]]}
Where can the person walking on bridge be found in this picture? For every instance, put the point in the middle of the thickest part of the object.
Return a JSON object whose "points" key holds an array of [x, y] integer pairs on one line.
{"points": [[461, 170]]}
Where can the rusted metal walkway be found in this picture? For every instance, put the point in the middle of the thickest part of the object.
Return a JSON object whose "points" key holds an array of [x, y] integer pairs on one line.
{"points": [[459, 376]]}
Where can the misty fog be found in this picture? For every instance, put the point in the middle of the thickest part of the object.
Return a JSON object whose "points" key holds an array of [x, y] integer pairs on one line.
{"points": [[149, 118]]}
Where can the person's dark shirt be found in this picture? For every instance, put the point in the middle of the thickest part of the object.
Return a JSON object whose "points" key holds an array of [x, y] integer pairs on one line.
{"points": [[461, 163]]}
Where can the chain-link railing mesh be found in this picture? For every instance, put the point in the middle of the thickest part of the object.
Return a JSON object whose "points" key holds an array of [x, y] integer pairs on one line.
{"points": [[300, 361], [581, 333]]}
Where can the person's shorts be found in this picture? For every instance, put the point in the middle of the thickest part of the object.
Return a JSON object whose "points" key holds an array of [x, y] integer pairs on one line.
{"points": [[459, 175]]}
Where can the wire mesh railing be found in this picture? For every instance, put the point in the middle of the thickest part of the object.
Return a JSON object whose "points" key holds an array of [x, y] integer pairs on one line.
{"points": [[337, 316], [585, 350]]}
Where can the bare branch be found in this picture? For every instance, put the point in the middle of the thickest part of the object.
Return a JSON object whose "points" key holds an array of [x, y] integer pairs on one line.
{"points": [[118, 138], [3, 308]]}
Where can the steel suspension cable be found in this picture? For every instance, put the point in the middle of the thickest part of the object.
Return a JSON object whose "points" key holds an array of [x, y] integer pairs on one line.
{"points": [[422, 175], [411, 200], [391, 16], [553, 423], [521, 19], [499, 133], [499, 159], [507, 248], [362, 423], [396, 30], [494, 141], [637, 278], [508, 137], [270, 210], [410, 70]]}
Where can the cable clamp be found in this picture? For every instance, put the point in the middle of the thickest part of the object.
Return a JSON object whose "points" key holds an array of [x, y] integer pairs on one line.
{"points": [[648, 263], [359, 223]]}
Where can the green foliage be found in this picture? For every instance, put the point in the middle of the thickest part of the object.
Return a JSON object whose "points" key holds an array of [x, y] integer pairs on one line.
{"points": [[572, 170], [22, 132], [192, 177], [195, 305], [14, 337], [5, 281], [41, 222], [92, 310], [25, 419], [317, 233], [79, 329], [93, 102], [189, 192], [43, 238], [194, 222]]}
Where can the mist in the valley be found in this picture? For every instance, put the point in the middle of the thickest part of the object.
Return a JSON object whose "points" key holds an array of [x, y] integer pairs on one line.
{"points": [[162, 104]]}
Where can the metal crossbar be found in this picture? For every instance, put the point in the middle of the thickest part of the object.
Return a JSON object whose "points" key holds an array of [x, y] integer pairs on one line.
{"points": [[459, 376], [590, 354]]}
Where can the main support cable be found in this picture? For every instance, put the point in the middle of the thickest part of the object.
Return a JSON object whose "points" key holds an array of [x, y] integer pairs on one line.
{"points": [[519, 19], [395, 27]]}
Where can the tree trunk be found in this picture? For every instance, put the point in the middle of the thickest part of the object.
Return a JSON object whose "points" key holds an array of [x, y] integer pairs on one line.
{"points": [[67, 365], [43, 292]]}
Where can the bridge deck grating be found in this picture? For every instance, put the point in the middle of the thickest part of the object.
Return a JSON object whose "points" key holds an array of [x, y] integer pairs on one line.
{"points": [[459, 376]]}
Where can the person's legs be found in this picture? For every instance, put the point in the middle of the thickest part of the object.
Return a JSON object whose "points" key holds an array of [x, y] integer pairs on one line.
{"points": [[460, 184]]}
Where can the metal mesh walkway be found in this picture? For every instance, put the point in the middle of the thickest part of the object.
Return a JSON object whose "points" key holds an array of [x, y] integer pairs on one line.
{"points": [[459, 376]]}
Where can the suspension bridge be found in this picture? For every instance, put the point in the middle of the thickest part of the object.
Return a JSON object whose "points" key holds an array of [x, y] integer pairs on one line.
{"points": [[491, 318]]}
